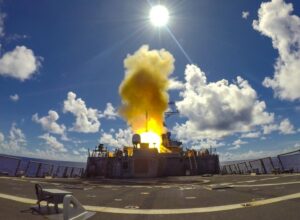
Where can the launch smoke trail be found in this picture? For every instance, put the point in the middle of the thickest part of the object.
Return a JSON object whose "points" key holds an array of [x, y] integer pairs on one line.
{"points": [[144, 88]]}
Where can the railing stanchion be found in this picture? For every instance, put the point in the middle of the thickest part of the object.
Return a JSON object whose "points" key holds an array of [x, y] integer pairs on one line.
{"points": [[38, 170], [17, 168]]}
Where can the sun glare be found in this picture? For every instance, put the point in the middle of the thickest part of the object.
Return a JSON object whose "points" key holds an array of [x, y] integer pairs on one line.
{"points": [[159, 15]]}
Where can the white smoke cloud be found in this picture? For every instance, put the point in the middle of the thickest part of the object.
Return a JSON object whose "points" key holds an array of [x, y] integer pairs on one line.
{"points": [[218, 109], [53, 143], [86, 118], [20, 63], [49, 123], [276, 21]]}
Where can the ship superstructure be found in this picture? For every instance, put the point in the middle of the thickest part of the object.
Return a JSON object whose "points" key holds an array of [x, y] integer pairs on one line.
{"points": [[140, 160]]}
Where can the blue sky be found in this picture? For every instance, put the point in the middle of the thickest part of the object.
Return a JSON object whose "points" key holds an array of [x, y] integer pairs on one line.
{"points": [[67, 56]]}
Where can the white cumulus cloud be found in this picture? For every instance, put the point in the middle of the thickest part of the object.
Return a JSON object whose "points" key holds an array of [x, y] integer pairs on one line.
{"points": [[237, 144], [86, 118], [253, 154], [83, 150], [218, 109], [75, 152], [49, 123], [255, 134], [2, 17], [14, 97], [284, 127], [175, 84], [207, 143], [245, 14], [20, 63], [53, 143], [110, 112], [16, 140], [116, 139], [276, 21], [1, 138]]}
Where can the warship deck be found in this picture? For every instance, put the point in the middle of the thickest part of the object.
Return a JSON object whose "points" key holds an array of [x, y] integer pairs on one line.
{"points": [[195, 197]]}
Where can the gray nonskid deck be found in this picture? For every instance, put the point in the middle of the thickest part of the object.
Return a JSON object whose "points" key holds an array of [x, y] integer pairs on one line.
{"points": [[176, 193]]}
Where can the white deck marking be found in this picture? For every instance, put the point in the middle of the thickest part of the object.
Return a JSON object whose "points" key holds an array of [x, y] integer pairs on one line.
{"points": [[252, 181], [129, 209], [267, 184], [17, 198], [91, 196], [270, 178], [190, 197]]}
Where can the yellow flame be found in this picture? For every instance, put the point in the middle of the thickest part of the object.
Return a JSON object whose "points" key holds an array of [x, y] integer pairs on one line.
{"points": [[151, 133], [153, 139]]}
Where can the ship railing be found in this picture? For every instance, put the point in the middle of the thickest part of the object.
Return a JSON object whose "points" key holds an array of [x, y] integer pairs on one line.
{"points": [[14, 166], [283, 163], [9, 165]]}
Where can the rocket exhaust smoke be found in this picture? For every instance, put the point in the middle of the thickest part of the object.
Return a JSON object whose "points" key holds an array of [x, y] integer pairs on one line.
{"points": [[144, 89]]}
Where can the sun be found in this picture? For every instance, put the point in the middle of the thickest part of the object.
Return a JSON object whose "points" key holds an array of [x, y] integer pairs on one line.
{"points": [[159, 15]]}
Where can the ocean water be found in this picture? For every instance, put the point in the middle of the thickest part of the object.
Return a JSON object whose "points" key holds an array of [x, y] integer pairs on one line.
{"points": [[8, 164]]}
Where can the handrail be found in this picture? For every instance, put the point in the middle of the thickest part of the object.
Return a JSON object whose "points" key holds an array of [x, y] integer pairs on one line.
{"points": [[44, 167]]}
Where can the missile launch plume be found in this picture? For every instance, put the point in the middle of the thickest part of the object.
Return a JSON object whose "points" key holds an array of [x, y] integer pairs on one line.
{"points": [[144, 89]]}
